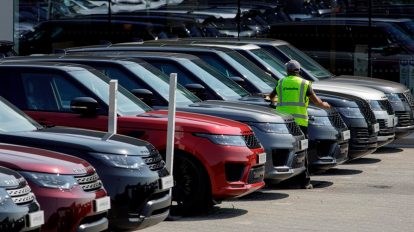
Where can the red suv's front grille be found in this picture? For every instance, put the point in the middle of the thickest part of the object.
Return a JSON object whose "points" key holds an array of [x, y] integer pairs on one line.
{"points": [[21, 196], [90, 182]]}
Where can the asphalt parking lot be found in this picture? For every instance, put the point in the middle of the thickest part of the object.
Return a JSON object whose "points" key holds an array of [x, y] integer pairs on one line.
{"points": [[374, 193]]}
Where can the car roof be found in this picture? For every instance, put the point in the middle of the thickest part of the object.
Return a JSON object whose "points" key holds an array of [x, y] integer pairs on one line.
{"points": [[53, 65], [75, 57]]}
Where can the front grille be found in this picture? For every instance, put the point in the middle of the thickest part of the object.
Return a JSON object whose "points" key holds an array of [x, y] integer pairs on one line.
{"points": [[366, 111], [409, 97], [386, 105], [251, 141], [382, 123], [280, 157], [404, 118], [384, 129], [299, 160], [294, 129], [90, 182], [360, 133], [256, 175], [22, 195], [154, 161], [337, 121]]}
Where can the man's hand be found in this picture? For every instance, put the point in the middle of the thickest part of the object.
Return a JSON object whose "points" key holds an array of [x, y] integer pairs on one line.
{"points": [[326, 105]]}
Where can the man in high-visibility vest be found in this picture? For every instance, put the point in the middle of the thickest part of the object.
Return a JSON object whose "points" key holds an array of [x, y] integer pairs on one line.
{"points": [[293, 95]]}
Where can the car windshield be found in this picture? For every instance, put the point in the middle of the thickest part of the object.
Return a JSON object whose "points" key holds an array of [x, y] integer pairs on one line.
{"points": [[221, 84], [251, 72], [98, 83], [160, 82], [13, 121], [306, 62], [276, 65]]}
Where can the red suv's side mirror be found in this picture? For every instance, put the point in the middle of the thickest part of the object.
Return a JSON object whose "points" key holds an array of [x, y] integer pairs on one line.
{"points": [[84, 106]]}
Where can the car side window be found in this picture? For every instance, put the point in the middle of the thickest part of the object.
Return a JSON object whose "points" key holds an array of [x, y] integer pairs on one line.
{"points": [[183, 77], [362, 35], [66, 91], [11, 88], [49, 92], [39, 91], [213, 60]]}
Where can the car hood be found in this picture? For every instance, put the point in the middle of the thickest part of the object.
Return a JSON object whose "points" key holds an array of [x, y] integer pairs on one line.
{"points": [[237, 111], [375, 83], [354, 90], [185, 122], [79, 139], [30, 159]]}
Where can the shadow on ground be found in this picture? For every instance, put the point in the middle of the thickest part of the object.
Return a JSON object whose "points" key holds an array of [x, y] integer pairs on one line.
{"points": [[364, 161], [339, 172], [318, 184], [215, 213], [264, 195], [385, 150]]}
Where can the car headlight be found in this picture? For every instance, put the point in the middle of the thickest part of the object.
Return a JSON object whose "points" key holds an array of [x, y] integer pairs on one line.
{"points": [[4, 196], [121, 161], [279, 128], [51, 180], [350, 112], [227, 140], [376, 105], [319, 121], [393, 97]]}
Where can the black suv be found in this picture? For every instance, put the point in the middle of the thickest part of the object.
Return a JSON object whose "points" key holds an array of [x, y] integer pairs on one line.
{"points": [[130, 169]]}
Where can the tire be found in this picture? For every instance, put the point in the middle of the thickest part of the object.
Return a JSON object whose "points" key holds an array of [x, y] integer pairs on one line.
{"points": [[192, 191]]}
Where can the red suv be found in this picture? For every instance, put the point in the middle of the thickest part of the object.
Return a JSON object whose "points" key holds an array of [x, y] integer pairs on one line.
{"points": [[215, 158], [67, 188]]}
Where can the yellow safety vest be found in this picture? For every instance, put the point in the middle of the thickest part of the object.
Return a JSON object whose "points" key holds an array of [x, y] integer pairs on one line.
{"points": [[292, 99]]}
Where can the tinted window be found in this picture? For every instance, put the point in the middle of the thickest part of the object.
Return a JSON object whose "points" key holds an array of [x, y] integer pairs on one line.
{"points": [[49, 91]]}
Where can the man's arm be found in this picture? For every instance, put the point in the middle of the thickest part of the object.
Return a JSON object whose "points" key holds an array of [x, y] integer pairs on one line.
{"points": [[273, 96], [316, 100]]}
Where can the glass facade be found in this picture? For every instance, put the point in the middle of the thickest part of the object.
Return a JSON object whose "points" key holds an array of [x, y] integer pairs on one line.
{"points": [[346, 37]]}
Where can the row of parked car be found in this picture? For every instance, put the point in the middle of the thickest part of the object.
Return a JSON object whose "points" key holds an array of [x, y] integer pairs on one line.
{"points": [[228, 138]]}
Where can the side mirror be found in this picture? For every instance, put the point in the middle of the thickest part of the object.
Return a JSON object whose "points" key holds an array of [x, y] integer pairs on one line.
{"points": [[197, 89], [238, 80], [144, 94], [85, 106]]}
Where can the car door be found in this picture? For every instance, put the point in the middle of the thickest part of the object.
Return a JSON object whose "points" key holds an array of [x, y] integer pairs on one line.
{"points": [[49, 95]]}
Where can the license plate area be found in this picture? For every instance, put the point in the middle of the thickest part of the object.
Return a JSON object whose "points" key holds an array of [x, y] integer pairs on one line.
{"points": [[346, 135], [35, 219], [303, 144], [261, 158], [102, 204], [376, 127], [166, 182]]}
